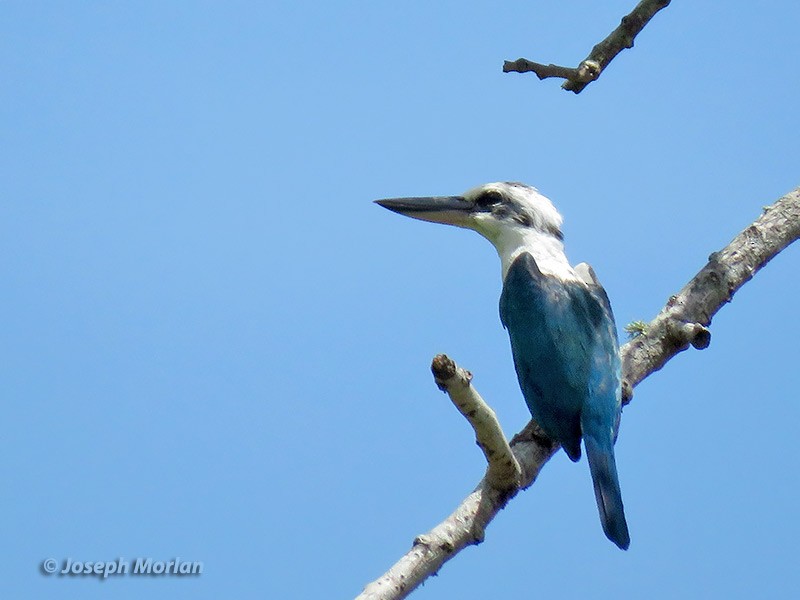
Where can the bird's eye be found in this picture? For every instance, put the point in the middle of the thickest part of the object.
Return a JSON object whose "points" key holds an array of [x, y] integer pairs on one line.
{"points": [[488, 199]]}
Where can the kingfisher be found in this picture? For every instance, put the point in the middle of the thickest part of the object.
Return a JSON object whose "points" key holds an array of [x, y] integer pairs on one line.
{"points": [[559, 320]]}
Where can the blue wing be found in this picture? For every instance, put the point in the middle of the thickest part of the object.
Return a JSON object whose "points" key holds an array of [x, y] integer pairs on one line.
{"points": [[566, 355]]}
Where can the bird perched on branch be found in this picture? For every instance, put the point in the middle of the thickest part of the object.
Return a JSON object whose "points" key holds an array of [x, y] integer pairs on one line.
{"points": [[560, 323]]}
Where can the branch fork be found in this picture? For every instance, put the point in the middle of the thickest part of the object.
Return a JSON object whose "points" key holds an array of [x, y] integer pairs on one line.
{"points": [[503, 471], [601, 55]]}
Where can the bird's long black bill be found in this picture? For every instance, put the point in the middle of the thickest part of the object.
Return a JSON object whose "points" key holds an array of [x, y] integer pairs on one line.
{"points": [[452, 210]]}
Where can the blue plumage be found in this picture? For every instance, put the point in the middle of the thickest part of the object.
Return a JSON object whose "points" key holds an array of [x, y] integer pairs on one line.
{"points": [[564, 344]]}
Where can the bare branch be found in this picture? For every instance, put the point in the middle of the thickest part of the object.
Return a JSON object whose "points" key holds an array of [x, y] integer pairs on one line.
{"points": [[504, 471], [684, 319], [522, 65], [465, 526], [682, 322], [603, 53]]}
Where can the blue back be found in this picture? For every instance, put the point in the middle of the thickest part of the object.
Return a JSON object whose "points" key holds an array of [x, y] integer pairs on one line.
{"points": [[566, 354]]}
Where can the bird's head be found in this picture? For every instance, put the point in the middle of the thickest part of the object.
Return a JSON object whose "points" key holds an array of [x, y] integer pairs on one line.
{"points": [[515, 217], [495, 210]]}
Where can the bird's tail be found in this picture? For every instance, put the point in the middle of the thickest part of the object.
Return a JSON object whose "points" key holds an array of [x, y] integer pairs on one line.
{"points": [[606, 489]]}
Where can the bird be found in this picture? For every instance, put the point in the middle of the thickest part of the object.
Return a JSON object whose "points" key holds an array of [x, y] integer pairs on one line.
{"points": [[560, 325]]}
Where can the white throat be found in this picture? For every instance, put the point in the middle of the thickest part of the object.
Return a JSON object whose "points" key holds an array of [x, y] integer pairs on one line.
{"points": [[546, 249]]}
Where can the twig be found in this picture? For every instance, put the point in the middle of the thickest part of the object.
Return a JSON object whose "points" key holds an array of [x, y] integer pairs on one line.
{"points": [[603, 53], [504, 471], [682, 322]]}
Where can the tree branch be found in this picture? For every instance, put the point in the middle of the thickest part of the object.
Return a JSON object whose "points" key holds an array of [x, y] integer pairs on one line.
{"points": [[504, 471], [682, 322], [465, 526], [684, 319], [603, 53]]}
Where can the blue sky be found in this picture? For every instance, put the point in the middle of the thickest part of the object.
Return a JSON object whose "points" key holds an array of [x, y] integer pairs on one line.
{"points": [[215, 347]]}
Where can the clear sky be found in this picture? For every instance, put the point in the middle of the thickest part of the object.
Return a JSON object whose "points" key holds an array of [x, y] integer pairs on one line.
{"points": [[215, 347]]}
